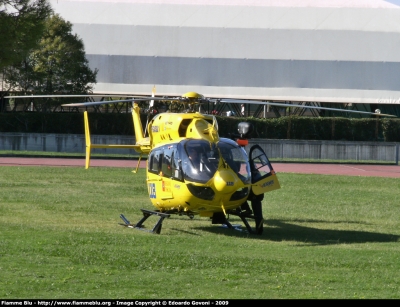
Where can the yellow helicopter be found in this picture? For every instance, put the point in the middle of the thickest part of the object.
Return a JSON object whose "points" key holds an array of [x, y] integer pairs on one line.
{"points": [[192, 170]]}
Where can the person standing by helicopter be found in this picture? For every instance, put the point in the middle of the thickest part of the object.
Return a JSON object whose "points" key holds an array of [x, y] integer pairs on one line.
{"points": [[256, 206]]}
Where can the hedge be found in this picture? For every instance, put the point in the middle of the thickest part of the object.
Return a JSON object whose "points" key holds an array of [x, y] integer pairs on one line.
{"points": [[288, 127]]}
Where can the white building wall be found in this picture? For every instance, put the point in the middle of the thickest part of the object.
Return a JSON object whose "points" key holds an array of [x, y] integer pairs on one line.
{"points": [[333, 51]]}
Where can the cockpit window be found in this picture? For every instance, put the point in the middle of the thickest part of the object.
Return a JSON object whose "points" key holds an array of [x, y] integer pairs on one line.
{"points": [[201, 161], [236, 157]]}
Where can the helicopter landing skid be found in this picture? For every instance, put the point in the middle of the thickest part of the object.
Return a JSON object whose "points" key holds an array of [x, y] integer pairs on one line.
{"points": [[146, 214], [237, 227], [243, 217]]}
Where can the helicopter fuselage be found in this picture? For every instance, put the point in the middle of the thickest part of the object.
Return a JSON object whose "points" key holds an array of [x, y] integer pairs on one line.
{"points": [[212, 183], [191, 170]]}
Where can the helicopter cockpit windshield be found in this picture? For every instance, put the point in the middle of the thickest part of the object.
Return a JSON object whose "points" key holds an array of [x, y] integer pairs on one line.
{"points": [[202, 162], [236, 157], [201, 159]]}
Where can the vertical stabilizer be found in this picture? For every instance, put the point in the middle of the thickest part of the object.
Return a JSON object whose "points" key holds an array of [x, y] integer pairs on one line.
{"points": [[87, 139], [137, 124]]}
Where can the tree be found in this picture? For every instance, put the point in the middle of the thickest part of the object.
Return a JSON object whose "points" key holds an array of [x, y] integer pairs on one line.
{"points": [[60, 63], [57, 66], [21, 26]]}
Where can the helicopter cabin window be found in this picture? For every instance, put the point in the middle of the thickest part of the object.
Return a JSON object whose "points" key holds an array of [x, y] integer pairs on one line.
{"points": [[176, 164], [166, 170], [165, 162], [183, 127], [154, 161], [166, 166], [261, 165]]}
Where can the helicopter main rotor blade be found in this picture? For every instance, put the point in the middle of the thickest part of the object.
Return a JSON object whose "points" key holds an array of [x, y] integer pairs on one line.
{"points": [[94, 103], [193, 101], [284, 105], [66, 96]]}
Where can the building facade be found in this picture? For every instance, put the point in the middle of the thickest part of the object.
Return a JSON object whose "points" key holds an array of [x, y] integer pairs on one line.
{"points": [[318, 51]]}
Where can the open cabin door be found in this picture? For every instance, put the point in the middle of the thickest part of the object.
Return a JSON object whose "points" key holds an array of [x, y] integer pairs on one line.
{"points": [[263, 177]]}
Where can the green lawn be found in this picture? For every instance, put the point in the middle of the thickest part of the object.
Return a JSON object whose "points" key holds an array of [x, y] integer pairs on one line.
{"points": [[324, 237]]}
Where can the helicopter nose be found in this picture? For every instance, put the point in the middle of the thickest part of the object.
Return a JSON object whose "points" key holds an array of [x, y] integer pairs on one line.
{"points": [[225, 181]]}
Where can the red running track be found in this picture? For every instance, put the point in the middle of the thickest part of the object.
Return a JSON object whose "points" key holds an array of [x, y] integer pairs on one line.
{"points": [[303, 168]]}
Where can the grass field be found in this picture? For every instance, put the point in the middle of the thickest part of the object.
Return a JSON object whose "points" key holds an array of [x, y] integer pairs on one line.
{"points": [[324, 237]]}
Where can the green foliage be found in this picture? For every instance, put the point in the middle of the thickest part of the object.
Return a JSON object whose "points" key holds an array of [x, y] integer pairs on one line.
{"points": [[325, 237], [42, 122], [318, 128], [342, 129], [295, 128], [391, 130], [57, 66], [275, 128], [66, 123], [21, 26], [60, 62]]}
